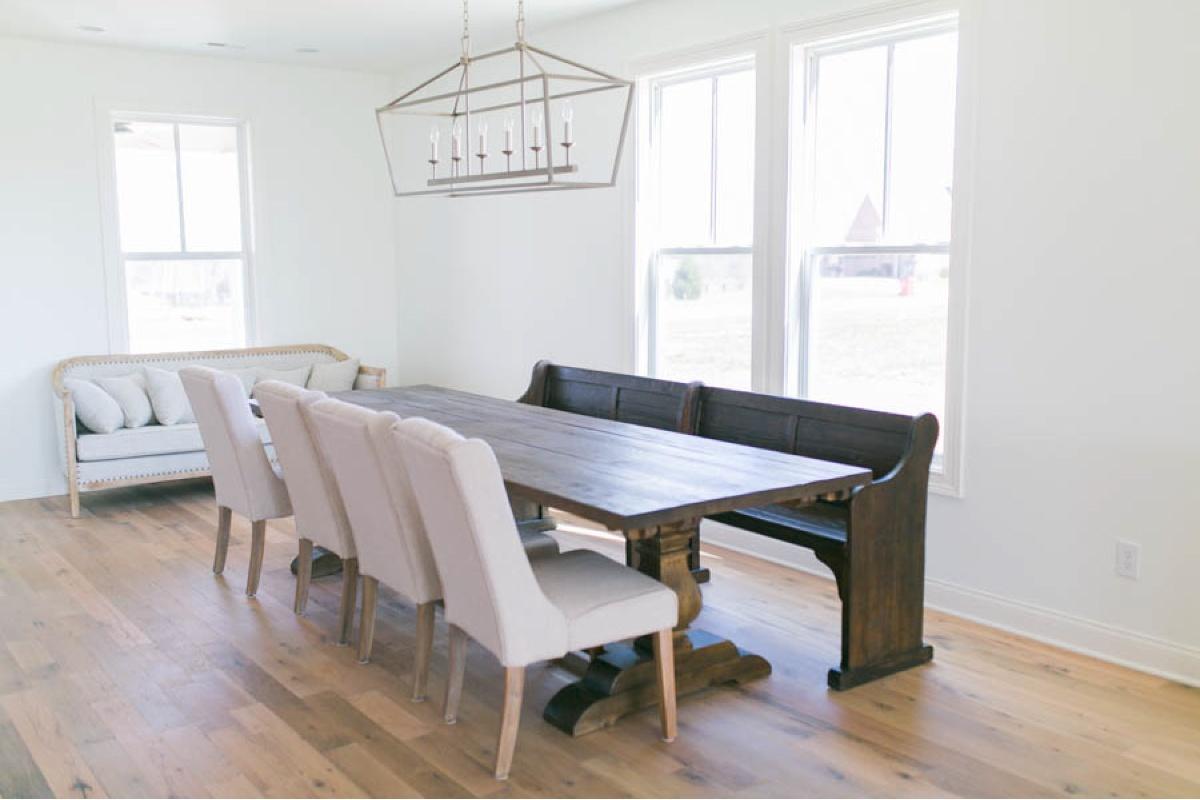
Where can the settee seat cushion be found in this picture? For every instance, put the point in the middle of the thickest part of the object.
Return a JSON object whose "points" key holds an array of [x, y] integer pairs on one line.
{"points": [[149, 440]]}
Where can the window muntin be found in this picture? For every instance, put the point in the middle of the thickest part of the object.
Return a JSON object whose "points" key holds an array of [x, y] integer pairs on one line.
{"points": [[182, 226]]}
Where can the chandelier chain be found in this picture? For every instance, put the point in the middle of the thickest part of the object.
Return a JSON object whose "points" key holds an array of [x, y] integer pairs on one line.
{"points": [[521, 21], [466, 34]]}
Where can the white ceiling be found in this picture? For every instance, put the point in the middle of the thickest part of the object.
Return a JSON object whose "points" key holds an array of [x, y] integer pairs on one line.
{"points": [[375, 35]]}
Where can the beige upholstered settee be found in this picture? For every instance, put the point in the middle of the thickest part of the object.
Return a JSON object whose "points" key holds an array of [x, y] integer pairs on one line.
{"points": [[155, 452]]}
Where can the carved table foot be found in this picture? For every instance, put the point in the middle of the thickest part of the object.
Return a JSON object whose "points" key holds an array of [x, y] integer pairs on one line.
{"points": [[621, 679]]}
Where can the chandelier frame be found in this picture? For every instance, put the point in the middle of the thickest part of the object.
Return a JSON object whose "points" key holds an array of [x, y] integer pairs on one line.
{"points": [[533, 74]]}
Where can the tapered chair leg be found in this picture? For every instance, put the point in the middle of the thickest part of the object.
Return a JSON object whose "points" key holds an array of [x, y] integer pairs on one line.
{"points": [[303, 575], [664, 659], [425, 618], [366, 620], [510, 720], [258, 543], [224, 519], [454, 675], [349, 596]]}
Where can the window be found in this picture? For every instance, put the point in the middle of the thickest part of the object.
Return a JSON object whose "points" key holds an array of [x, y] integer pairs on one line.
{"points": [[701, 192], [804, 247], [871, 195], [183, 231]]}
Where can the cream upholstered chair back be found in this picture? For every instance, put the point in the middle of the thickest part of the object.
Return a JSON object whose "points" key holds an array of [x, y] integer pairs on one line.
{"points": [[320, 513], [243, 477], [490, 590], [392, 546]]}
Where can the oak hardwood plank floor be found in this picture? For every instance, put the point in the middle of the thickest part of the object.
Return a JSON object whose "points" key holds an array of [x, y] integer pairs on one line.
{"points": [[128, 669]]}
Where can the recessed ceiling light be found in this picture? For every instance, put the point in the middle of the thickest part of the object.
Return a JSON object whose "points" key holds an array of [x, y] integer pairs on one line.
{"points": [[91, 28], [307, 50]]}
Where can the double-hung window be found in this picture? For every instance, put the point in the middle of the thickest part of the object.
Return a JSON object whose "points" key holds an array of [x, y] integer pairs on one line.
{"points": [[870, 199], [831, 280], [700, 189], [183, 228]]}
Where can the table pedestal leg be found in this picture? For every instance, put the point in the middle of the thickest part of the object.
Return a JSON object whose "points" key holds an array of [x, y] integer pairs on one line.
{"points": [[621, 679]]}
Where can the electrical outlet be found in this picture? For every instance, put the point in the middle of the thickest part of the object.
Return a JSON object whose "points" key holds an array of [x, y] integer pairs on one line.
{"points": [[1128, 556]]}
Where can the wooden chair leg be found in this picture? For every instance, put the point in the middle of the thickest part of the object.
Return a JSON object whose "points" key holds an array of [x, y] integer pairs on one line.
{"points": [[510, 719], [73, 492], [349, 596], [224, 519], [366, 621], [303, 575], [425, 618], [258, 543], [664, 658], [454, 675]]}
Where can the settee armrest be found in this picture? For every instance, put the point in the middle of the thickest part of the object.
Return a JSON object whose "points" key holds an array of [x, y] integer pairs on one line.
{"points": [[370, 377]]}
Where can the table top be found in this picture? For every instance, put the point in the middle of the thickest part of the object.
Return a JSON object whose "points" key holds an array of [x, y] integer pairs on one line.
{"points": [[614, 473]]}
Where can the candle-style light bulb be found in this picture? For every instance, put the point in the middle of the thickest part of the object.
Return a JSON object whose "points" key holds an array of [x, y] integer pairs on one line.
{"points": [[434, 135], [455, 148], [483, 132], [537, 129], [508, 143], [568, 116]]}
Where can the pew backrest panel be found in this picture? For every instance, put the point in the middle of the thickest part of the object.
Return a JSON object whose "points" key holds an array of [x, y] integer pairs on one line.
{"points": [[653, 403], [876, 440]]}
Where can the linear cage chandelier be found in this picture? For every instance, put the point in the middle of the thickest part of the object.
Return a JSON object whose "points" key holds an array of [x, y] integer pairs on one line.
{"points": [[514, 120]]}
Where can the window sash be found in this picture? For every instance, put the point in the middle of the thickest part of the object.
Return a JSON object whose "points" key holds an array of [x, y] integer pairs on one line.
{"points": [[119, 335], [184, 253], [807, 249], [710, 73]]}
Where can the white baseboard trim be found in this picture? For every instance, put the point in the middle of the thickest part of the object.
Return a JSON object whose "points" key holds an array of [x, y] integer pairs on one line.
{"points": [[25, 491], [1177, 662]]}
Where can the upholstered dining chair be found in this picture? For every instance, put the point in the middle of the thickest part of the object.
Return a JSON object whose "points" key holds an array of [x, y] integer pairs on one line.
{"points": [[320, 513], [243, 477], [388, 530], [522, 610]]}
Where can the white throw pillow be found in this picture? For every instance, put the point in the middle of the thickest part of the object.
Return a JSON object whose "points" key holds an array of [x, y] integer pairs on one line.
{"points": [[98, 411], [130, 393], [170, 402], [248, 376], [296, 377], [334, 376]]}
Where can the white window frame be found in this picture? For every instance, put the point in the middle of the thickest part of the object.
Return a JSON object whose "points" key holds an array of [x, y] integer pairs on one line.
{"points": [[776, 275], [114, 255]]}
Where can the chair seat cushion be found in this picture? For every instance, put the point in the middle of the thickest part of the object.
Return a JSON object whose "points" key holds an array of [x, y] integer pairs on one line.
{"points": [[814, 526], [148, 440], [604, 601]]}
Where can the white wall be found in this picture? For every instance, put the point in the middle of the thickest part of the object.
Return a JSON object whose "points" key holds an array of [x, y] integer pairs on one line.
{"points": [[324, 269], [1082, 378]]}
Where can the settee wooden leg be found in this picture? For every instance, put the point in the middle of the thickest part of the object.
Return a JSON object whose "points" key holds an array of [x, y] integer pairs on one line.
{"points": [[73, 497]]}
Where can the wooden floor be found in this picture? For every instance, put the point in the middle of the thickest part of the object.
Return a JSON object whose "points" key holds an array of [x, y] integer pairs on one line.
{"points": [[128, 669]]}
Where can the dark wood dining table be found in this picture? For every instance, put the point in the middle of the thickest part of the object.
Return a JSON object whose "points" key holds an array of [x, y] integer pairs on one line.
{"points": [[654, 486]]}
